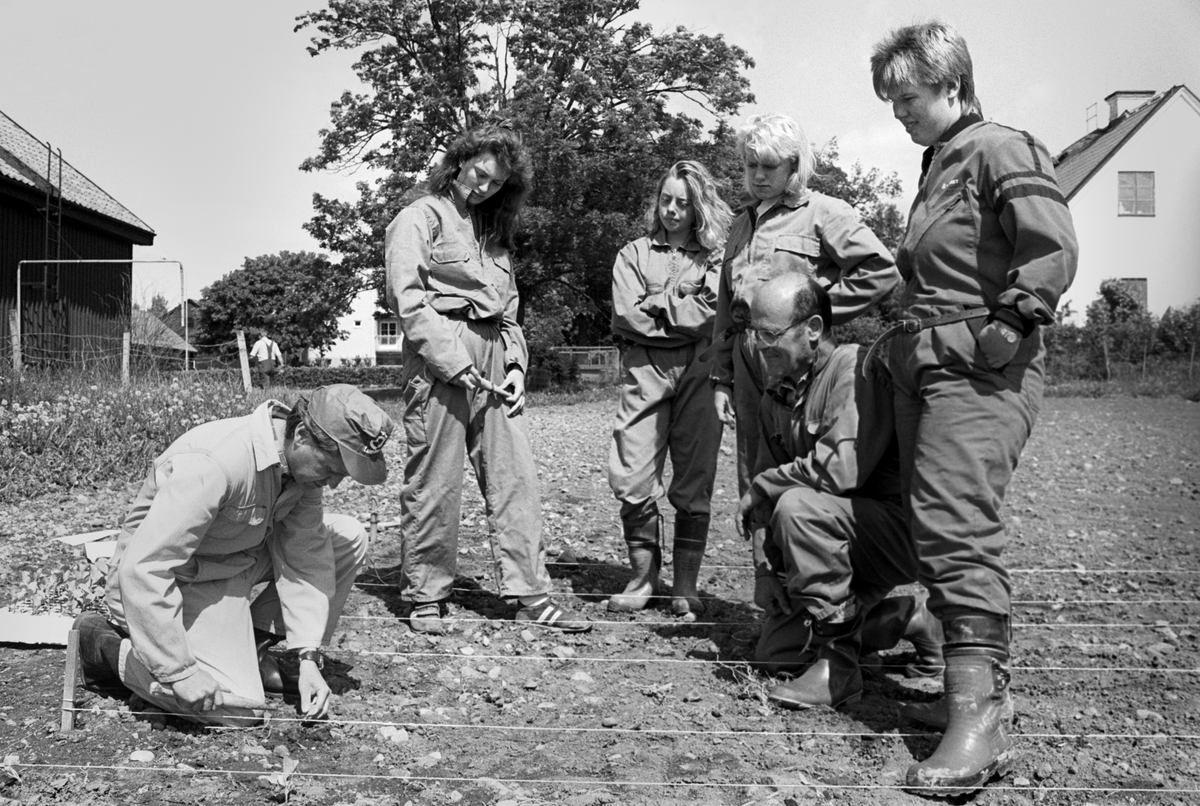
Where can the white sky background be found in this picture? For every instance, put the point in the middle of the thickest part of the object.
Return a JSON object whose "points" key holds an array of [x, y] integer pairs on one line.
{"points": [[197, 115]]}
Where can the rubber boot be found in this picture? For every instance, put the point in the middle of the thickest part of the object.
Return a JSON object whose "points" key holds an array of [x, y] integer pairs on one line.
{"points": [[691, 538], [645, 558], [936, 714], [834, 679], [976, 745], [905, 617]]}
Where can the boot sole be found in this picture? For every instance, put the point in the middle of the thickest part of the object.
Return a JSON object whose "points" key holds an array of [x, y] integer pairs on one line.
{"points": [[967, 784], [800, 705]]}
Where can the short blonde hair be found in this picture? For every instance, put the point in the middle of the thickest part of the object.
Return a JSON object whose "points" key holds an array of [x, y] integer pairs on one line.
{"points": [[711, 215], [777, 137], [931, 54]]}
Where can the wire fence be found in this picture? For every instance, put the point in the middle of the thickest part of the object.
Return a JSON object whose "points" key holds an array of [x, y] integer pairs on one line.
{"points": [[105, 354]]}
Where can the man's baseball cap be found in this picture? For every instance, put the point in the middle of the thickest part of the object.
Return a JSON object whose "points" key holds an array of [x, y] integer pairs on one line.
{"points": [[359, 427]]}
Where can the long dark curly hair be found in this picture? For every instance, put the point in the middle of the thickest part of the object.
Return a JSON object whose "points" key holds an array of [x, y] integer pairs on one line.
{"points": [[500, 215]]}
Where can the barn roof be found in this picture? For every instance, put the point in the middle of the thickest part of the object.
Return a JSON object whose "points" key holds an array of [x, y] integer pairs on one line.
{"points": [[1078, 162], [23, 160]]}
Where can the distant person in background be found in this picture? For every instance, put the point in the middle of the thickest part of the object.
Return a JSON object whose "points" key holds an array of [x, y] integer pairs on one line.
{"points": [[988, 252], [267, 359], [231, 504], [664, 288], [784, 228], [450, 280]]}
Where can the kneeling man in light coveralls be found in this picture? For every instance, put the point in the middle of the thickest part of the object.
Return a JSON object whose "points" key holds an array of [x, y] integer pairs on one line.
{"points": [[228, 505]]}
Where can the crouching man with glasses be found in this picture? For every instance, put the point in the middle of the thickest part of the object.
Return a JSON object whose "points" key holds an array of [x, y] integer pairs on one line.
{"points": [[823, 509], [231, 504]]}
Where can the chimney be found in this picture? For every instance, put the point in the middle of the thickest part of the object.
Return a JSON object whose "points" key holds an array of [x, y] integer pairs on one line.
{"points": [[1122, 101]]}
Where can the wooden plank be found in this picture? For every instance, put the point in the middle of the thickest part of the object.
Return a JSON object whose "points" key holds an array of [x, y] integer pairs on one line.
{"points": [[70, 677]]}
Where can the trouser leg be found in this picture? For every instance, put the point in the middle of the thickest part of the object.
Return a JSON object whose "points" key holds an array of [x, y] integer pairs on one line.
{"points": [[500, 452], [638, 449], [747, 396], [216, 619], [962, 426], [435, 417], [694, 436], [350, 542], [834, 549]]}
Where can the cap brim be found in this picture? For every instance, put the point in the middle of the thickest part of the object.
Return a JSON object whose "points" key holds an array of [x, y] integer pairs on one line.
{"points": [[364, 469]]}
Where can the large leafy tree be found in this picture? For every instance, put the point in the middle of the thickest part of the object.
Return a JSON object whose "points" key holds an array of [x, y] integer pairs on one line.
{"points": [[588, 87], [297, 297]]}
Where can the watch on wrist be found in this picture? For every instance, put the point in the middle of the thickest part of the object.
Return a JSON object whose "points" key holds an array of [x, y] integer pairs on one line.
{"points": [[313, 655]]}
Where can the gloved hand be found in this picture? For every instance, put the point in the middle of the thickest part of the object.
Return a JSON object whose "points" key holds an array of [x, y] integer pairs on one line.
{"points": [[998, 342]]}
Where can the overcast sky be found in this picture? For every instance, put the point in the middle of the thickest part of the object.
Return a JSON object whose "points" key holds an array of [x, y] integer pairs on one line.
{"points": [[197, 115]]}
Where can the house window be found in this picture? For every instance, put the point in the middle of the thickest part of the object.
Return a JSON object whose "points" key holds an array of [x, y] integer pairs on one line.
{"points": [[389, 334], [1135, 193]]}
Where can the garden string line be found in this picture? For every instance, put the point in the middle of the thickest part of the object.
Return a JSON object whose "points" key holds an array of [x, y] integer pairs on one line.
{"points": [[1016, 625], [708, 596], [734, 734], [600, 783]]}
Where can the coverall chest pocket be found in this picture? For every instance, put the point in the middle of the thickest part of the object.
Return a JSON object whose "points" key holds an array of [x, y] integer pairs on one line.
{"points": [[793, 252], [453, 266], [233, 521], [948, 224]]}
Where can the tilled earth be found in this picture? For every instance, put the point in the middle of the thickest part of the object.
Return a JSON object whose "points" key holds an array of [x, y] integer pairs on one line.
{"points": [[650, 709]]}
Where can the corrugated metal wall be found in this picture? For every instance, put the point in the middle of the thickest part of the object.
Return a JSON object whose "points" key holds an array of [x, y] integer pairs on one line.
{"points": [[74, 312]]}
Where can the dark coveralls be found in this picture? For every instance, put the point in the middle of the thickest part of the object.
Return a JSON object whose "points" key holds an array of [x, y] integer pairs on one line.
{"points": [[989, 227], [455, 294], [808, 233], [829, 469]]}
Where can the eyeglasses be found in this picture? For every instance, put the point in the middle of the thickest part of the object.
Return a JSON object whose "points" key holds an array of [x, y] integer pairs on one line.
{"points": [[769, 338]]}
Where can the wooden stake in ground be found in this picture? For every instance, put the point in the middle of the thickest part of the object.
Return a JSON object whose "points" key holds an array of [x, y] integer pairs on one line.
{"points": [[70, 675]]}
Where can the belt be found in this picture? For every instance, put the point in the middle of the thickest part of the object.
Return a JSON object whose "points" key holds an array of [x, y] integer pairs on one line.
{"points": [[917, 325]]}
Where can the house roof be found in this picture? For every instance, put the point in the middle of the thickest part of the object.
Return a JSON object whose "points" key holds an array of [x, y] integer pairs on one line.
{"points": [[148, 330], [1078, 162], [23, 160]]}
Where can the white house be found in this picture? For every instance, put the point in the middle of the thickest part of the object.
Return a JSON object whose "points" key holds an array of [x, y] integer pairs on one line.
{"points": [[1133, 186], [373, 336]]}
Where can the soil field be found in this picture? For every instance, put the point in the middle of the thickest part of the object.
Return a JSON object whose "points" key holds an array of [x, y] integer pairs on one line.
{"points": [[648, 709]]}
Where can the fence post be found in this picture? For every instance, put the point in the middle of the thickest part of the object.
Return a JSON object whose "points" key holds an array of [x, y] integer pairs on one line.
{"points": [[126, 341], [14, 329], [244, 360]]}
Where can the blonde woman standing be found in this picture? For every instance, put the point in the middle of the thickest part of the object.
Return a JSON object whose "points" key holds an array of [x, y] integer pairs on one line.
{"points": [[664, 290]]}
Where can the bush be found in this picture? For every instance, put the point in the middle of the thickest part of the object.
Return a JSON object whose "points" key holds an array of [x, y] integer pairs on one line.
{"points": [[363, 376], [59, 431]]}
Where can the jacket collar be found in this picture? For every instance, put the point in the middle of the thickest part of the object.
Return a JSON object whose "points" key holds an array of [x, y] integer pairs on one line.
{"points": [[969, 119], [659, 239]]}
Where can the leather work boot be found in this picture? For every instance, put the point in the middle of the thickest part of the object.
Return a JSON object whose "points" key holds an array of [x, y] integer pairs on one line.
{"points": [[426, 617], [834, 679], [905, 617], [100, 655], [691, 538], [645, 558], [976, 745], [274, 681]]}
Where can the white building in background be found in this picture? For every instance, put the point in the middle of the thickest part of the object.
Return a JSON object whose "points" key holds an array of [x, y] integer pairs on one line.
{"points": [[372, 336], [1133, 186]]}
